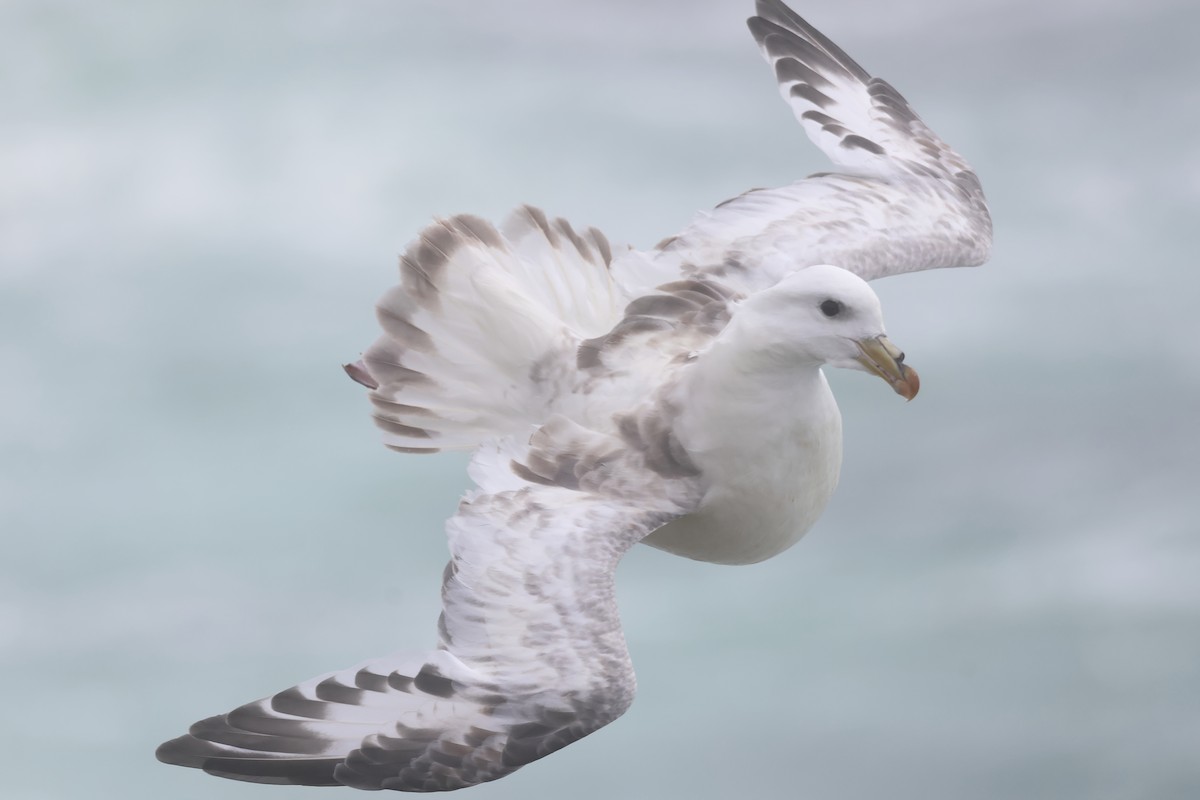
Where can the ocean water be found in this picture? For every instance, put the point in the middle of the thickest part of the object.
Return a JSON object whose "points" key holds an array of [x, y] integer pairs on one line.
{"points": [[200, 202]]}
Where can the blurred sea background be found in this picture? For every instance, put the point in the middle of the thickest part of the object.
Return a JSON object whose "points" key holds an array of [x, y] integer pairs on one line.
{"points": [[200, 202]]}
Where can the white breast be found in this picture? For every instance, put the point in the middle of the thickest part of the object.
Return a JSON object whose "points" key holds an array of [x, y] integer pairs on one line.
{"points": [[771, 470]]}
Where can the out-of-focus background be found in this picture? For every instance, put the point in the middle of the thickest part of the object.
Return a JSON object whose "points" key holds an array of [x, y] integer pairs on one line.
{"points": [[200, 202]]}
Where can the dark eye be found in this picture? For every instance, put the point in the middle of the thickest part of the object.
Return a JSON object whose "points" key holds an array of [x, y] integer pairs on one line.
{"points": [[831, 308]]}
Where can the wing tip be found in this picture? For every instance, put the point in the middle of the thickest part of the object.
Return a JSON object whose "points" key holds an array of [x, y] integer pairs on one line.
{"points": [[187, 751], [775, 18], [225, 762], [175, 752]]}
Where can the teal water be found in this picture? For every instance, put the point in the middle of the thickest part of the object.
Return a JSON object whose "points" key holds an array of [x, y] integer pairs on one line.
{"points": [[199, 203]]}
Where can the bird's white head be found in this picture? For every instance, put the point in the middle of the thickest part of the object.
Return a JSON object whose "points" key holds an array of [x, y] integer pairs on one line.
{"points": [[824, 315]]}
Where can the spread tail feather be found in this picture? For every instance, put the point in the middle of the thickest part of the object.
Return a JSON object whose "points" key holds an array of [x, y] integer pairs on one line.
{"points": [[480, 334]]}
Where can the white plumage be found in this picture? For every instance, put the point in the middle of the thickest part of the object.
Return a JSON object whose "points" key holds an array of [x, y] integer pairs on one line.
{"points": [[606, 392]]}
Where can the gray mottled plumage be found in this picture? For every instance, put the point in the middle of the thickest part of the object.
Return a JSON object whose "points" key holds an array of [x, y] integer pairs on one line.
{"points": [[901, 199], [614, 396], [526, 663]]}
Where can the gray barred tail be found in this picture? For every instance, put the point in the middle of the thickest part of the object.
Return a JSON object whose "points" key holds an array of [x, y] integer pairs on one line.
{"points": [[479, 336]]}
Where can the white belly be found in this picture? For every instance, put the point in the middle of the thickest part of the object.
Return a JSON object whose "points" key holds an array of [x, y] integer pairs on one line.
{"points": [[751, 512]]}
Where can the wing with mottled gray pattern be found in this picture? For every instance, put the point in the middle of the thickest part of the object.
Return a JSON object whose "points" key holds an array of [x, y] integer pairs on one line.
{"points": [[530, 655], [670, 321], [862, 123], [900, 199]]}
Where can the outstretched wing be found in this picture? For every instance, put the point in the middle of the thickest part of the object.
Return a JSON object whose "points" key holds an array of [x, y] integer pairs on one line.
{"points": [[861, 123], [901, 200], [530, 657]]}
